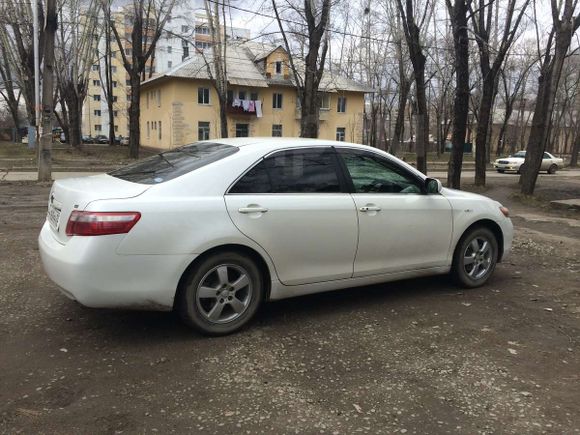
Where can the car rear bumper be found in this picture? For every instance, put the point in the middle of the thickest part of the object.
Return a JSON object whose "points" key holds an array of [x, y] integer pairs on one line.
{"points": [[89, 271]]}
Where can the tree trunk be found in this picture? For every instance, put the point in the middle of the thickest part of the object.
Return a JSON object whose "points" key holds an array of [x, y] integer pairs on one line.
{"points": [[485, 105], [134, 110], [458, 14], [45, 150], [575, 150], [400, 120], [422, 120]]}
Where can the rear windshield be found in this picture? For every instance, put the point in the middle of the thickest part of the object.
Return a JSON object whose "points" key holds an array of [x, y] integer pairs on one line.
{"points": [[174, 163]]}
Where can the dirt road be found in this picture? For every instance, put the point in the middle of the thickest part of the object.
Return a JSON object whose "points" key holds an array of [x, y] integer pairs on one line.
{"points": [[419, 356]]}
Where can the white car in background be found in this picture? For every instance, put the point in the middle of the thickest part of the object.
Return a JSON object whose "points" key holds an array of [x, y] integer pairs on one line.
{"points": [[550, 164], [215, 228]]}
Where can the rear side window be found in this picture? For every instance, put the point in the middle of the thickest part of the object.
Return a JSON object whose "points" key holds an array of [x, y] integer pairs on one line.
{"points": [[294, 171], [174, 163]]}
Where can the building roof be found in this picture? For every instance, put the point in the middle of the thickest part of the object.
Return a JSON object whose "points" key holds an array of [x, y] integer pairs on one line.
{"points": [[243, 68]]}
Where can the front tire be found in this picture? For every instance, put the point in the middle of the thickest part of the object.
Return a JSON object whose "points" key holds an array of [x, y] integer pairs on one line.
{"points": [[552, 169], [221, 294], [475, 257], [501, 171]]}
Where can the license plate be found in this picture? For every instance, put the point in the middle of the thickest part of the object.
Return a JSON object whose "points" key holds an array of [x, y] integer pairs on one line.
{"points": [[53, 216]]}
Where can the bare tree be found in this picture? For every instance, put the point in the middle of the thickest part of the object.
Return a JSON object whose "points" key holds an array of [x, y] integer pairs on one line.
{"points": [[315, 16], [458, 14], [482, 27], [76, 42], [412, 30], [564, 25], [9, 90], [146, 18]]}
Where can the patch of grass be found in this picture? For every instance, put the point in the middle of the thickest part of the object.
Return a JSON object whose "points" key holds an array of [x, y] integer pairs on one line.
{"points": [[11, 150], [530, 200]]}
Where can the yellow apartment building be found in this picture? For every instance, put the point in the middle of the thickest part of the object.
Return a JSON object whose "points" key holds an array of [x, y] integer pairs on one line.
{"points": [[181, 105]]}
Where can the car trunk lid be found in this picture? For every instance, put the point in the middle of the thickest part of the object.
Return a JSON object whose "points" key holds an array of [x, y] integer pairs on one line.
{"points": [[71, 194]]}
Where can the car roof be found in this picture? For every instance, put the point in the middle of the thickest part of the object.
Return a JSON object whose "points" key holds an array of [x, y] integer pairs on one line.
{"points": [[275, 143]]}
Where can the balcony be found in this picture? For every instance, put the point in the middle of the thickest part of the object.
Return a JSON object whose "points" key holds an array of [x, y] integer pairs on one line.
{"points": [[239, 111]]}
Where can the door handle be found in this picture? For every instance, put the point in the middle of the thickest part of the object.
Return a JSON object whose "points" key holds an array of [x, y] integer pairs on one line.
{"points": [[246, 210], [367, 208]]}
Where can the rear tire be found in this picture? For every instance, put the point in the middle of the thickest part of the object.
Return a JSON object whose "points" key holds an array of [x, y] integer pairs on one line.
{"points": [[221, 294], [475, 257], [552, 169]]}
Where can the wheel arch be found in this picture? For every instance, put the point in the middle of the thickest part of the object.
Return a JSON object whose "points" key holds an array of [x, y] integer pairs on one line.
{"points": [[230, 247], [490, 225]]}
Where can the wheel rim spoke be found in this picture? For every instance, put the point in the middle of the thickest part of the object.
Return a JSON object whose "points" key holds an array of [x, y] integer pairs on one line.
{"points": [[222, 273], [205, 292], [215, 312], [474, 246], [484, 247], [473, 272], [468, 260], [237, 305], [241, 282]]}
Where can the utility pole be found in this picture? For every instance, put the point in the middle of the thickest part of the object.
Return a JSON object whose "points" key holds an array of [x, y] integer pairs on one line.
{"points": [[45, 148], [35, 37]]}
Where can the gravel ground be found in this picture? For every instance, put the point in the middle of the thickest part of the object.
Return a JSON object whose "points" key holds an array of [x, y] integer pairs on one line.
{"points": [[418, 356]]}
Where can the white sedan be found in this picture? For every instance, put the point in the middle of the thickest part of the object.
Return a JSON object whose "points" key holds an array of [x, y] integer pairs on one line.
{"points": [[550, 164], [214, 228]]}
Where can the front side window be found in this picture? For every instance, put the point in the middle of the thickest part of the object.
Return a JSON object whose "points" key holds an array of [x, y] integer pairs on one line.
{"points": [[174, 163], [371, 173], [203, 130], [203, 95], [294, 171]]}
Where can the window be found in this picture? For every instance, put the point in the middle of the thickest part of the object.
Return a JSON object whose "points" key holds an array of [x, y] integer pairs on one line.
{"points": [[202, 44], [95, 67], [293, 171], [202, 130], [159, 130], [340, 134], [174, 163], [98, 127], [277, 101], [113, 69], [341, 105], [242, 95], [279, 67], [242, 130], [128, 51], [115, 113], [169, 64], [96, 97], [371, 173], [158, 97], [202, 30], [114, 98], [148, 130], [185, 54], [169, 49], [114, 84], [277, 130], [96, 83], [202, 95], [97, 113], [184, 29], [546, 156], [254, 96], [116, 128], [325, 101]]}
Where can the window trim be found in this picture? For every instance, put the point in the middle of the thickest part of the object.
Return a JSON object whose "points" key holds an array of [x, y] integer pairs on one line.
{"points": [[337, 161], [405, 171]]}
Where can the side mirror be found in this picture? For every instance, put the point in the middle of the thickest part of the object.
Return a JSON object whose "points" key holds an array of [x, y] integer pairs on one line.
{"points": [[433, 185]]}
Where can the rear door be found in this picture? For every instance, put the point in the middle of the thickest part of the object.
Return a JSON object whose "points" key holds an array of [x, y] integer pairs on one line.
{"points": [[400, 227], [293, 204]]}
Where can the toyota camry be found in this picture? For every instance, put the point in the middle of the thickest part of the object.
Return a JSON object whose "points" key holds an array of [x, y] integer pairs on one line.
{"points": [[214, 228]]}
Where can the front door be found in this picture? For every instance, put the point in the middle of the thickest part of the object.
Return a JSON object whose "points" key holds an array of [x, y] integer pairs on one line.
{"points": [[400, 227], [293, 204]]}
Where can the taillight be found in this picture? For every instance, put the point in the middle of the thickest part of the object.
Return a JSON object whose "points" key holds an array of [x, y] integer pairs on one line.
{"points": [[97, 223]]}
